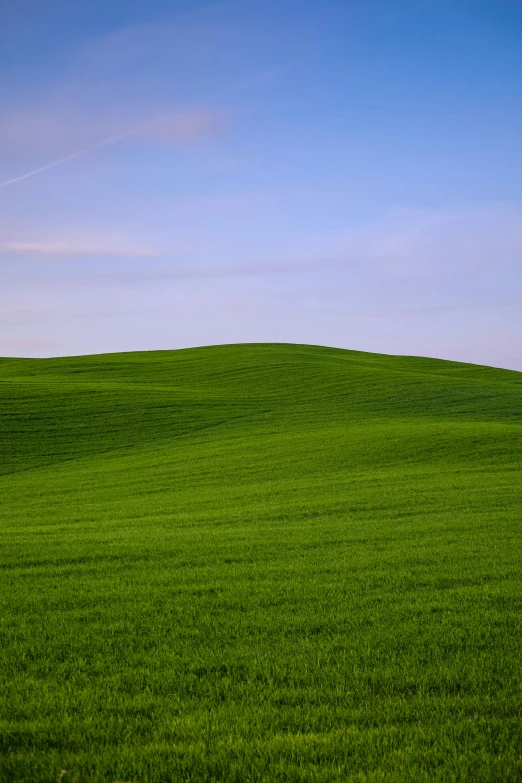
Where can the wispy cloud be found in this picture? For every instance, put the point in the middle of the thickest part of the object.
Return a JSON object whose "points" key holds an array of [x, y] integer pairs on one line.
{"points": [[67, 158], [432, 242], [177, 128], [412, 242], [78, 244], [439, 241], [130, 84], [66, 249]]}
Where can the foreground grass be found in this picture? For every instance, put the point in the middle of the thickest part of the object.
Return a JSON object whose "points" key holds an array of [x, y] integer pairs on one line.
{"points": [[260, 563]]}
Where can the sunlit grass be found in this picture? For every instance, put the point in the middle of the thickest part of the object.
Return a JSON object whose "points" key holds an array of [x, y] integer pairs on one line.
{"points": [[260, 563]]}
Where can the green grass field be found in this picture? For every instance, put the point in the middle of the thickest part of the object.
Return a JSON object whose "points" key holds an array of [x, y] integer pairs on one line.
{"points": [[260, 563]]}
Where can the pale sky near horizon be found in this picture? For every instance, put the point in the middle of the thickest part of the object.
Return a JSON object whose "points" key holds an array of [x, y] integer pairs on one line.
{"points": [[335, 172]]}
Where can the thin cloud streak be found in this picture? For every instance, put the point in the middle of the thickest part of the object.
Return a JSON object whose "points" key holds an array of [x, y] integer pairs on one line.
{"points": [[404, 243], [79, 153], [60, 250], [184, 128]]}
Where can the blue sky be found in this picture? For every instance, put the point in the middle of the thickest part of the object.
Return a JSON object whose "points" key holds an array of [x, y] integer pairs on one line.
{"points": [[187, 173]]}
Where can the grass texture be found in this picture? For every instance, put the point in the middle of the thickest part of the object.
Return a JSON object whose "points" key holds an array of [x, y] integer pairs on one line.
{"points": [[260, 563]]}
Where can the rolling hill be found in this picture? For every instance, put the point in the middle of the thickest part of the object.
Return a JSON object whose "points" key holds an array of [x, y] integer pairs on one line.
{"points": [[263, 562]]}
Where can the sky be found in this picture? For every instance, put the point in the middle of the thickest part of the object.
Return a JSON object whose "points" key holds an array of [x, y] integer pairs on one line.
{"points": [[333, 172]]}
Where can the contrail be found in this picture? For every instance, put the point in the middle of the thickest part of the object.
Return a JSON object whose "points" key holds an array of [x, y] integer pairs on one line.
{"points": [[77, 154], [264, 76]]}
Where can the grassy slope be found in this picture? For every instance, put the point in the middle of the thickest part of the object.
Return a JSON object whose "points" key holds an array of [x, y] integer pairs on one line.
{"points": [[260, 562]]}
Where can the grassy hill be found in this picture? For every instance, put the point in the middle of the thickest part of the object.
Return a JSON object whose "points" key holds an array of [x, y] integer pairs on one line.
{"points": [[260, 563]]}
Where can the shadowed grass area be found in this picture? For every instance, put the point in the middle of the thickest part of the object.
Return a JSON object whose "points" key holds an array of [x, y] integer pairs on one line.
{"points": [[260, 563]]}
